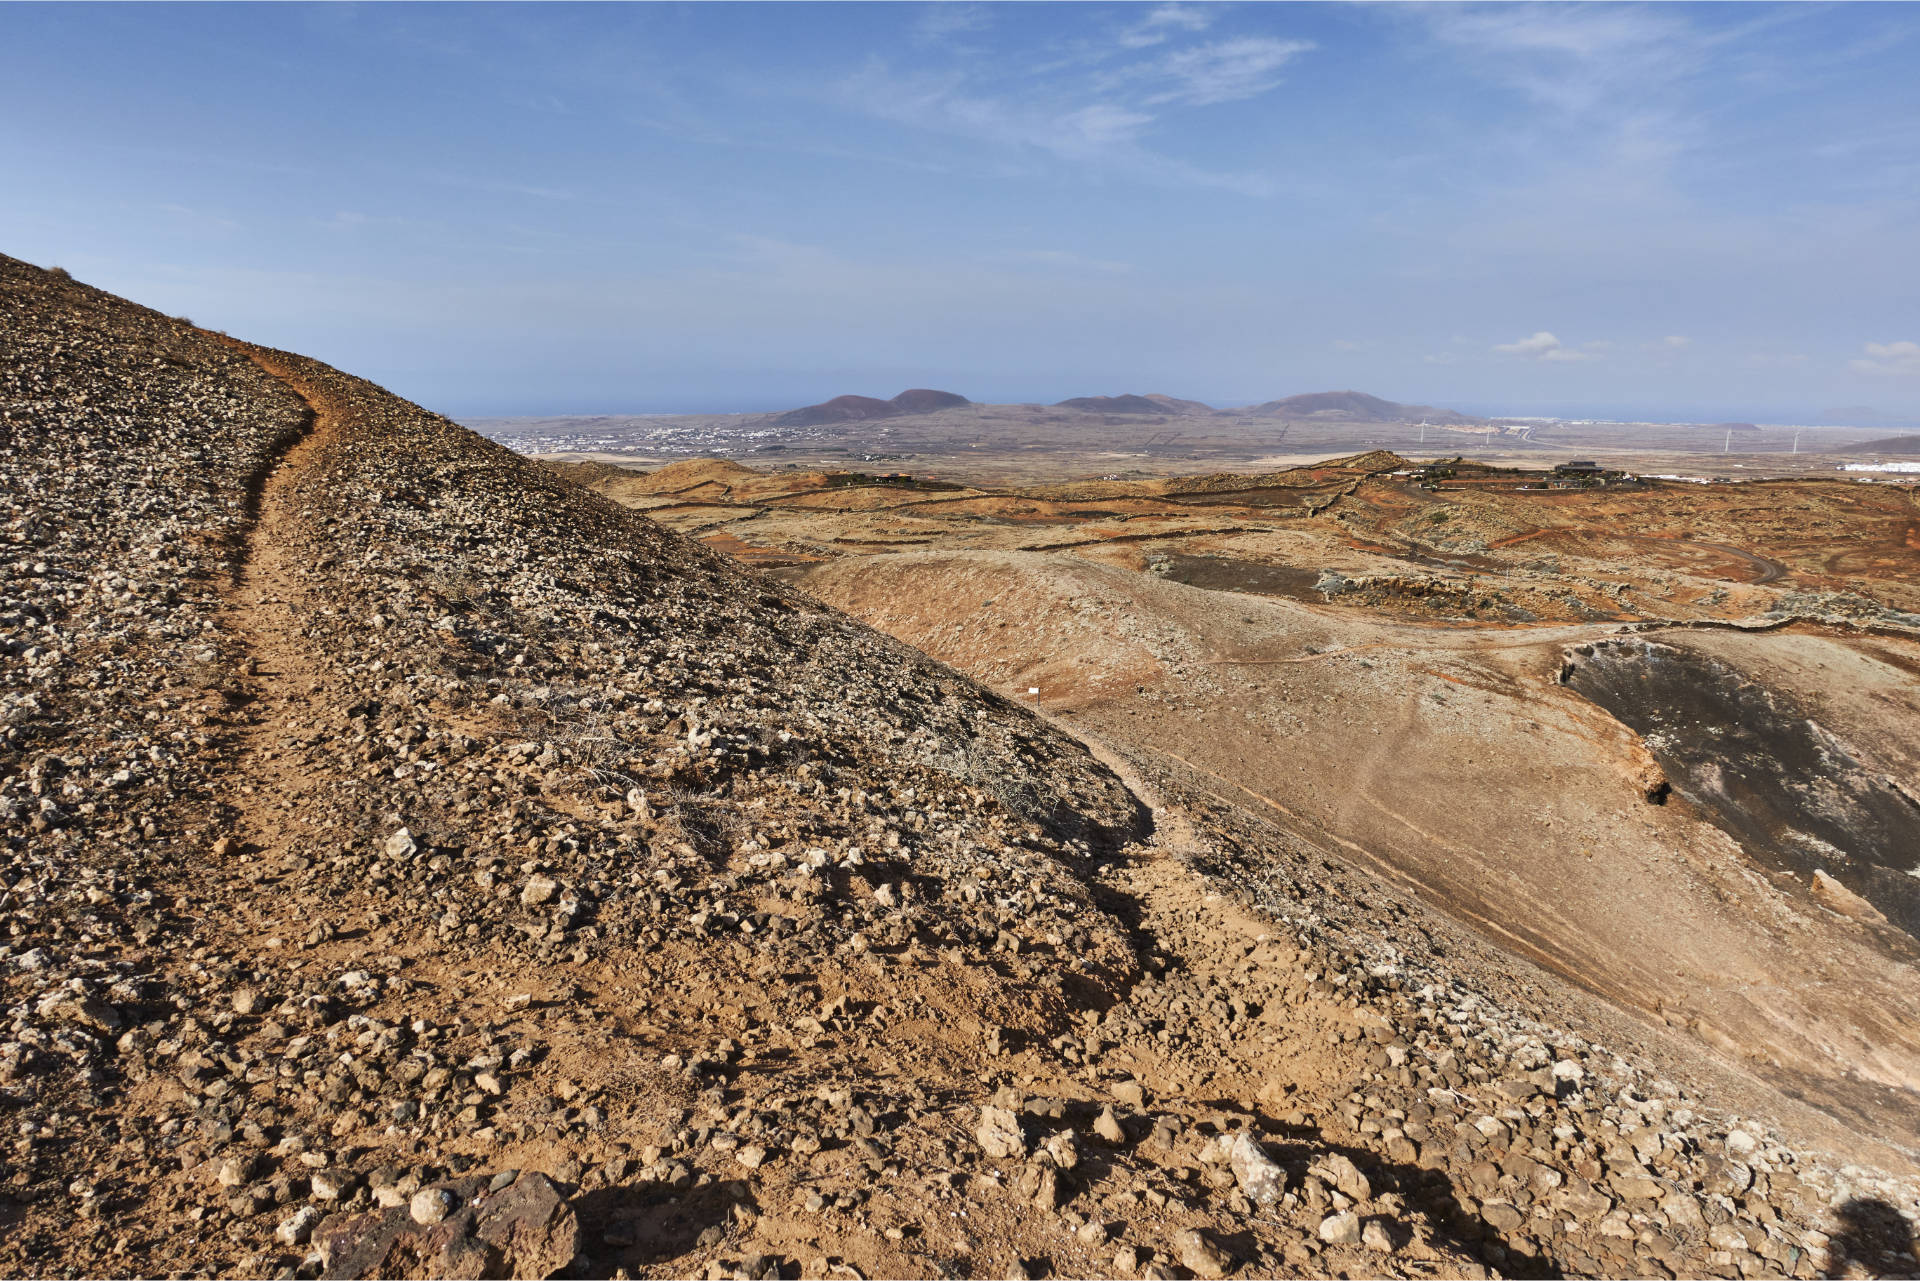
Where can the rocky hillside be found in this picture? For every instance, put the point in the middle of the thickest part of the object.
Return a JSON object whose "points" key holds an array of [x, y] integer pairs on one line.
{"points": [[417, 864]]}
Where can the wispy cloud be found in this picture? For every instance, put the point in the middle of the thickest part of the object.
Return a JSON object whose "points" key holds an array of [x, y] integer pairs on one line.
{"points": [[1103, 101], [1542, 345], [1110, 132], [1226, 70], [1901, 359], [941, 22], [1573, 57], [1165, 22]]}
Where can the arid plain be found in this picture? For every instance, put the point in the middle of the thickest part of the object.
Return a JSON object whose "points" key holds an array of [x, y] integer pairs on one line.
{"points": [[1458, 676]]}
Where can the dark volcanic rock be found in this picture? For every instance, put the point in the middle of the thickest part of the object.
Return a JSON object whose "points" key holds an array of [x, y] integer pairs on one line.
{"points": [[524, 1229], [1797, 798]]}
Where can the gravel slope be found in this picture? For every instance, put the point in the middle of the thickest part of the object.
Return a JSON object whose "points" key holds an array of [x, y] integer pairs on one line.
{"points": [[386, 817]]}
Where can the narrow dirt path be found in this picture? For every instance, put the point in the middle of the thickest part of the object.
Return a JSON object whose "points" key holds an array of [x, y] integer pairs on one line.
{"points": [[264, 605], [1172, 834]]}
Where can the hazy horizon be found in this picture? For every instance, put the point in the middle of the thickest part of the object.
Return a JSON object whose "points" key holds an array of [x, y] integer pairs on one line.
{"points": [[1836, 417], [1665, 212]]}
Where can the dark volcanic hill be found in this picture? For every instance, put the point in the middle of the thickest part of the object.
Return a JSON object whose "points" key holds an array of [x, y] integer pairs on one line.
{"points": [[1889, 445], [1128, 404], [412, 863], [922, 400], [841, 409], [1179, 406], [853, 409], [1355, 406]]}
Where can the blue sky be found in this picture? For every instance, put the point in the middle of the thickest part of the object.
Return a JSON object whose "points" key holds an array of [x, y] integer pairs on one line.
{"points": [[509, 209]]}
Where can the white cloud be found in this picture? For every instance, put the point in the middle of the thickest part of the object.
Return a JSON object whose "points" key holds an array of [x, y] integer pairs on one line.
{"points": [[1099, 126], [1112, 102], [1091, 122], [1901, 359], [1573, 57], [1544, 346], [1163, 23], [1539, 344], [1227, 70], [1676, 341], [942, 22]]}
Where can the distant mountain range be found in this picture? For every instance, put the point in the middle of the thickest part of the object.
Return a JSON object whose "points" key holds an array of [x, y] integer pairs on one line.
{"points": [[1154, 403], [1339, 406], [854, 409], [1336, 406], [1891, 445], [1355, 406]]}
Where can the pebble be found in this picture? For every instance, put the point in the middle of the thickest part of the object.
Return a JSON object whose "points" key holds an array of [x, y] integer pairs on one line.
{"points": [[430, 1205], [1199, 1255], [999, 1133], [1260, 1179], [296, 1229]]}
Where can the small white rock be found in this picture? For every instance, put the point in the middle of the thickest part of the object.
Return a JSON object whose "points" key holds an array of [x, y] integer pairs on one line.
{"points": [[430, 1205], [296, 1230], [1340, 1229]]}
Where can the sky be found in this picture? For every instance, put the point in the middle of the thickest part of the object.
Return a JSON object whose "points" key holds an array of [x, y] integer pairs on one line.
{"points": [[1620, 210]]}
